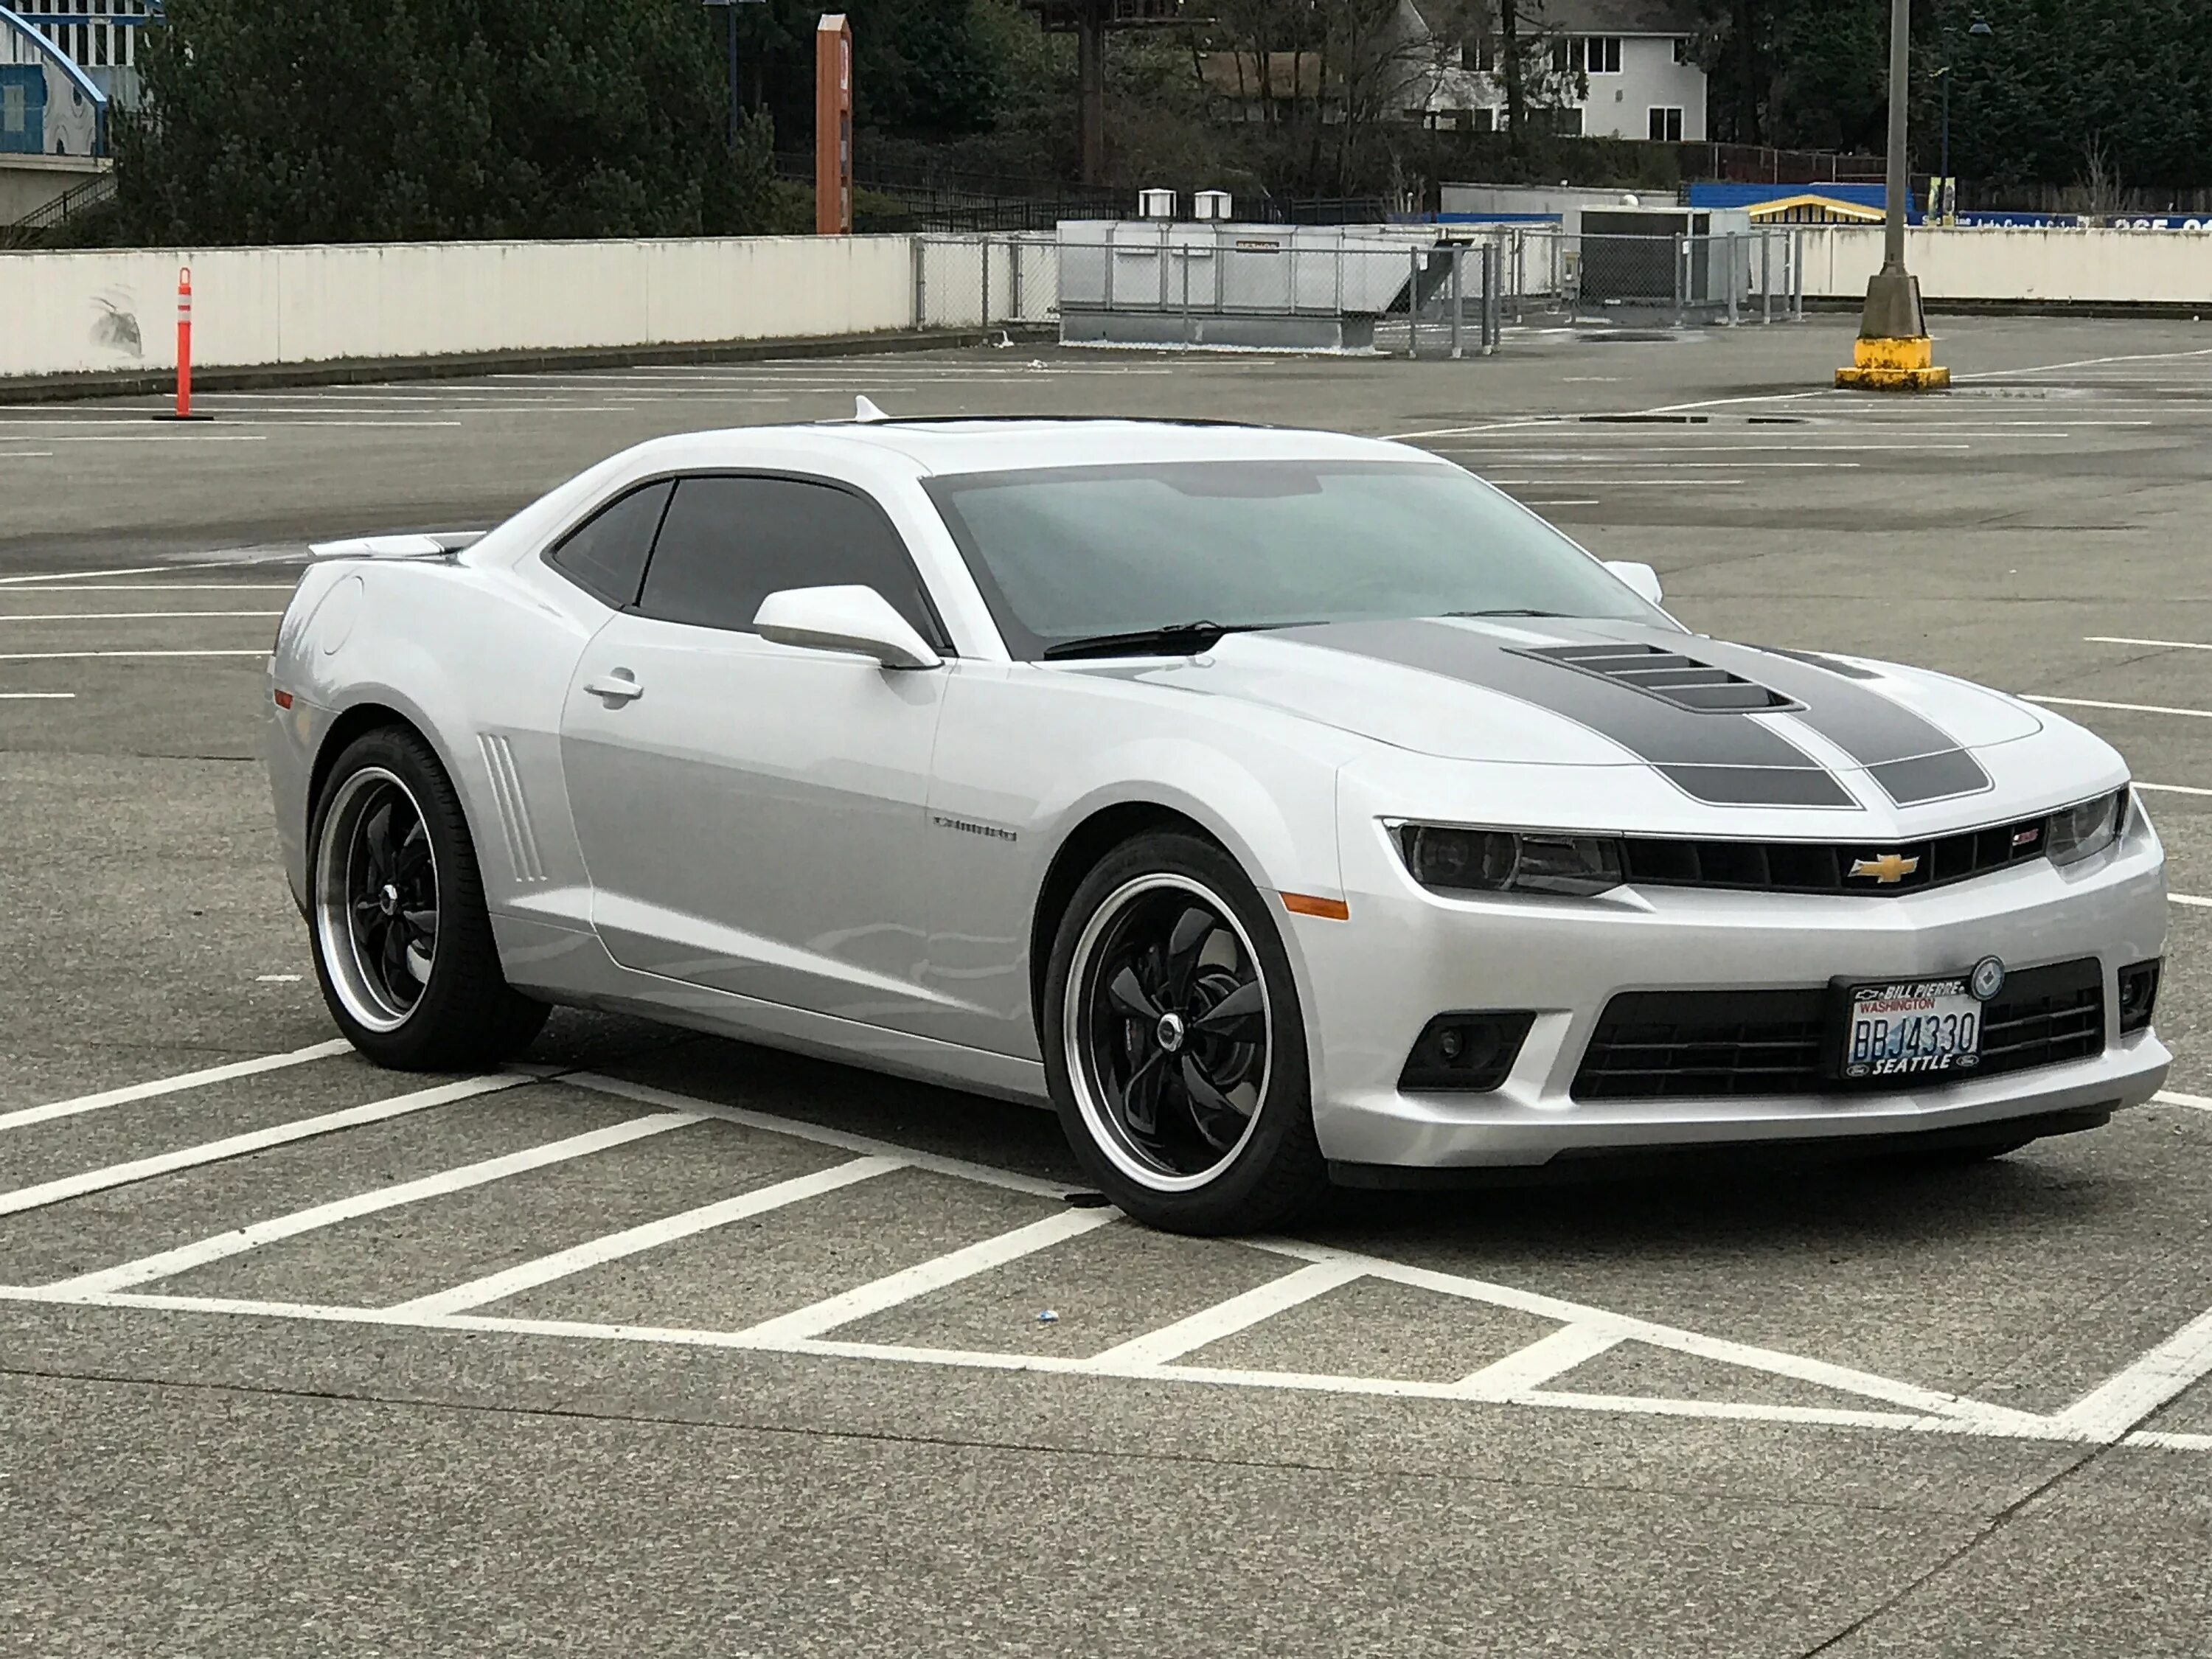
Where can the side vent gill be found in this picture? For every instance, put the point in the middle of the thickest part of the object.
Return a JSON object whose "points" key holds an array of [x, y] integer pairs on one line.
{"points": [[1669, 675], [514, 810]]}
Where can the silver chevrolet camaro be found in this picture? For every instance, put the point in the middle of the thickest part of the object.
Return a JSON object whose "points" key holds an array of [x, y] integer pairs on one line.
{"points": [[1282, 807]]}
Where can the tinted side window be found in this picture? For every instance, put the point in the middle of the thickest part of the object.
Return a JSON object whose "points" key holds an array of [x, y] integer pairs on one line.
{"points": [[727, 544], [606, 554]]}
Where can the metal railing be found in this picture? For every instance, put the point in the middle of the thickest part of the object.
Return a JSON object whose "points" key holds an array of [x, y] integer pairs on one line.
{"points": [[1736, 277], [31, 229]]}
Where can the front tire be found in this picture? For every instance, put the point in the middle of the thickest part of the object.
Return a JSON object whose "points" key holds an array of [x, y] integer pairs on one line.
{"points": [[1175, 1046], [401, 941]]}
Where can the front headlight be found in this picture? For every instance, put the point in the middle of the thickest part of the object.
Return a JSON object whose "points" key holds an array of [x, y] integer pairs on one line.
{"points": [[1449, 859], [2081, 831]]}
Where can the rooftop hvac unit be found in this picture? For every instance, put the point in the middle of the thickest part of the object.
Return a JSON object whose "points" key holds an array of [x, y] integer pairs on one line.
{"points": [[1156, 204], [1211, 204]]}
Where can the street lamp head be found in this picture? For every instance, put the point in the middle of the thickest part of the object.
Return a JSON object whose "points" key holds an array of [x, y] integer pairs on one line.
{"points": [[1980, 27]]}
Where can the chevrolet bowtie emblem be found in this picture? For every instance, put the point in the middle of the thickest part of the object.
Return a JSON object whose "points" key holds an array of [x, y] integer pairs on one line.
{"points": [[1888, 868]]}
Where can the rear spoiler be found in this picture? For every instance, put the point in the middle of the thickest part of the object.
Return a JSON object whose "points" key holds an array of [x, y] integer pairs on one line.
{"points": [[426, 544]]}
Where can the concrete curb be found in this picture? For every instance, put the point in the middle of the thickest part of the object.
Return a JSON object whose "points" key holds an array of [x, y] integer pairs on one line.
{"points": [[355, 371], [2119, 309]]}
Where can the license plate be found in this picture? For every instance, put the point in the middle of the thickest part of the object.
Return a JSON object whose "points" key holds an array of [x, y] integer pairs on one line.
{"points": [[1908, 1028]]}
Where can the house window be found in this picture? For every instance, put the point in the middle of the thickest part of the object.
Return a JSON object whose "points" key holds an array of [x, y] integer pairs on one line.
{"points": [[13, 115], [1600, 54], [1481, 120], [1681, 48], [1562, 54], [100, 46], [1478, 55], [1666, 126]]}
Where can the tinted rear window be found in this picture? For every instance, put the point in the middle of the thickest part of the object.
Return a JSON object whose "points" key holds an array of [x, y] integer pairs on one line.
{"points": [[606, 554]]}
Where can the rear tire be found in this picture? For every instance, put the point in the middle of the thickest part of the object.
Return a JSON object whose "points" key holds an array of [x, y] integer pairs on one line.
{"points": [[396, 919], [1175, 1046]]}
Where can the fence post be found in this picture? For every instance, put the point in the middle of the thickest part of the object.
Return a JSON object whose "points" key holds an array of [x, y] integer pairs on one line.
{"points": [[1681, 274], [1766, 276], [1413, 308], [1493, 298], [1729, 276], [1458, 300], [1015, 247], [983, 246], [920, 283]]}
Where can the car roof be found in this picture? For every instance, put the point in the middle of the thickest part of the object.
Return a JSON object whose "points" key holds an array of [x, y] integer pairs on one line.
{"points": [[998, 444]]}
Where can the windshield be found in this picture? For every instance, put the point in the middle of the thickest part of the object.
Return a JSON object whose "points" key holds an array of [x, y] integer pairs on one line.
{"points": [[1070, 553]]}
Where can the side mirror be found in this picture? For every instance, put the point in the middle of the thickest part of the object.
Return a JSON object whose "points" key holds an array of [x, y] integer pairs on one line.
{"points": [[853, 618], [1640, 578]]}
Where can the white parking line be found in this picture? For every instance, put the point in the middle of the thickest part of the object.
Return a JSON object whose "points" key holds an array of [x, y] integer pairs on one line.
{"points": [[1541, 1361], [214, 1151], [174, 570], [123, 616], [2195, 1103], [2119, 639], [164, 587], [2114, 1407], [170, 1085], [613, 1247], [38, 696], [2190, 899], [1225, 1319], [2122, 708], [79, 656], [802, 1324], [800, 1129], [220, 1246], [2171, 788]]}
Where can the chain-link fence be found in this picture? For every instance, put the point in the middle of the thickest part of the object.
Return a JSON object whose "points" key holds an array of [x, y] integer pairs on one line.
{"points": [[1289, 289], [1315, 288], [981, 282], [1755, 276]]}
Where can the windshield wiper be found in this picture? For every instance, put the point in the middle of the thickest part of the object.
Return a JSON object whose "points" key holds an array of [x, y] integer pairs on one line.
{"points": [[1511, 610], [1174, 638]]}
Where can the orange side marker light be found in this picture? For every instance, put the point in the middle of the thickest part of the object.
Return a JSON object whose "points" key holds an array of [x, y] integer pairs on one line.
{"points": [[1305, 904], [283, 699]]}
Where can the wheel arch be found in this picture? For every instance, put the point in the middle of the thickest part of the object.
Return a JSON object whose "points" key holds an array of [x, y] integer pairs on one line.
{"points": [[1081, 853]]}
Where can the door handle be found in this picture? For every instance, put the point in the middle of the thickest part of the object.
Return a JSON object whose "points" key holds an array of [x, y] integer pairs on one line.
{"points": [[618, 688]]}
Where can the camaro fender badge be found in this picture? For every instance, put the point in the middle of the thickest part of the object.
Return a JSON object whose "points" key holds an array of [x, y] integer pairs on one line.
{"points": [[1888, 869], [1987, 979], [969, 826]]}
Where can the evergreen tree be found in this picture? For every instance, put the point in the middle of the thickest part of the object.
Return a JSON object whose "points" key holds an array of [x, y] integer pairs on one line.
{"points": [[422, 119]]}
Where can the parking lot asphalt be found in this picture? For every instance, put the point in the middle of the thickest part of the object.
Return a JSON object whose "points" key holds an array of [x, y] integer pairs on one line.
{"points": [[663, 1343]]}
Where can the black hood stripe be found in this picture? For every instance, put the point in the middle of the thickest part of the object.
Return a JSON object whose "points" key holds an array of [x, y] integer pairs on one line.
{"points": [[1913, 760], [1723, 759]]}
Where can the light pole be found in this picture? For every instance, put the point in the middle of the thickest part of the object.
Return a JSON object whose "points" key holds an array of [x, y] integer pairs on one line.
{"points": [[1894, 352], [729, 8], [1978, 29]]}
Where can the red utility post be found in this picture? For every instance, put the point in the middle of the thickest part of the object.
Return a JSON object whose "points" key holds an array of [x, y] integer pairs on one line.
{"points": [[833, 126]]}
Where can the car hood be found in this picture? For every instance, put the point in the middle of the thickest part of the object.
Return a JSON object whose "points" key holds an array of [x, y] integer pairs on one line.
{"points": [[1727, 724]]}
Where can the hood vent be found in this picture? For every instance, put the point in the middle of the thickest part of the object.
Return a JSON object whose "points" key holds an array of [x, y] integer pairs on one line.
{"points": [[1669, 675]]}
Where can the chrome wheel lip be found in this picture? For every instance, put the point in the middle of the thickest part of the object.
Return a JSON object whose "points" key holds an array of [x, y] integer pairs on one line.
{"points": [[1106, 1131], [357, 982]]}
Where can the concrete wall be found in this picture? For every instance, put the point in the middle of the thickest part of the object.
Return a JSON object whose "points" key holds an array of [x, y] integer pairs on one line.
{"points": [[2170, 267], [29, 182], [71, 312]]}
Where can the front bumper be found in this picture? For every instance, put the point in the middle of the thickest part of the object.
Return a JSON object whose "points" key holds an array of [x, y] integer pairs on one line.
{"points": [[1406, 954]]}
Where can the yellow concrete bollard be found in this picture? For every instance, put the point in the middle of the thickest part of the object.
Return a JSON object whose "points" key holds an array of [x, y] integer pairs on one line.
{"points": [[1907, 364]]}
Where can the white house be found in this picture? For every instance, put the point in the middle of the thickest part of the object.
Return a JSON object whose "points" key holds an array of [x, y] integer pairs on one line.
{"points": [[1605, 68]]}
